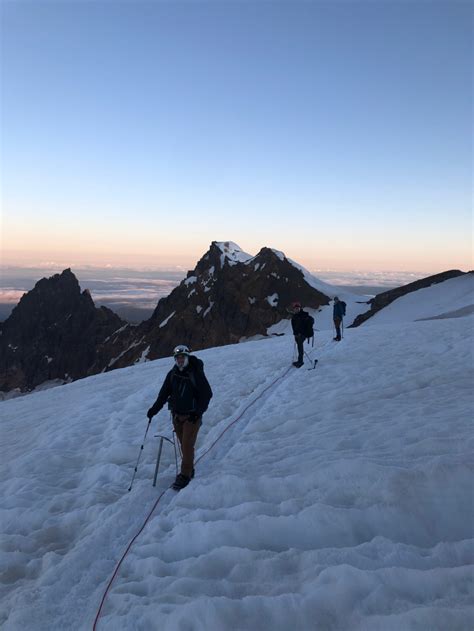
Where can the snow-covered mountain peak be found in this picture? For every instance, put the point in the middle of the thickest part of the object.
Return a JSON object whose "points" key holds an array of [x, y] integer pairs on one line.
{"points": [[231, 252], [279, 253]]}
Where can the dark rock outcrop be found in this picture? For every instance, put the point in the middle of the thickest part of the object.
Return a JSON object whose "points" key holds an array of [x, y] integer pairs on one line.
{"points": [[228, 296], [57, 333], [53, 333], [385, 298]]}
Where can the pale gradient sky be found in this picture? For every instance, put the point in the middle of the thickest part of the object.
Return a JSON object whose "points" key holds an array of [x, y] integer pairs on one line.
{"points": [[135, 133]]}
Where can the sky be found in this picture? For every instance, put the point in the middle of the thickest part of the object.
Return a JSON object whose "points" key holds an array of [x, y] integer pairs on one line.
{"points": [[135, 133]]}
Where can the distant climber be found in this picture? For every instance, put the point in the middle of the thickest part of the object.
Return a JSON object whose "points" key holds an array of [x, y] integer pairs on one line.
{"points": [[339, 311], [187, 392], [302, 325]]}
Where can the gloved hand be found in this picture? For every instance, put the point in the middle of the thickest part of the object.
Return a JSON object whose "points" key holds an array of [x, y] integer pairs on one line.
{"points": [[150, 413]]}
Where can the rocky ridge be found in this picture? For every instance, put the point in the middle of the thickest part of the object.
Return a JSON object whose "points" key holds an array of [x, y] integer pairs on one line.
{"points": [[53, 333], [385, 298], [227, 297], [57, 333]]}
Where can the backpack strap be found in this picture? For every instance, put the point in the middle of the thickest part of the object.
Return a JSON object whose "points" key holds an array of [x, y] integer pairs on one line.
{"points": [[192, 378], [190, 374]]}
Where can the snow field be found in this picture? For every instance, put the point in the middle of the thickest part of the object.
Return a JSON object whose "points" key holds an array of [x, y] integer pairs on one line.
{"points": [[341, 500], [452, 298], [78, 451]]}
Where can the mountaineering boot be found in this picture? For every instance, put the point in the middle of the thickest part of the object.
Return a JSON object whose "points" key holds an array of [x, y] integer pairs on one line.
{"points": [[297, 364], [336, 339], [181, 481]]}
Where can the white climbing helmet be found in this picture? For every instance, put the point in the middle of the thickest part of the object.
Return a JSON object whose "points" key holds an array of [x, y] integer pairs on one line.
{"points": [[181, 349]]}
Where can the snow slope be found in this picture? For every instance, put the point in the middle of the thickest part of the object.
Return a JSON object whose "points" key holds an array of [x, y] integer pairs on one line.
{"points": [[443, 298], [320, 285], [342, 499]]}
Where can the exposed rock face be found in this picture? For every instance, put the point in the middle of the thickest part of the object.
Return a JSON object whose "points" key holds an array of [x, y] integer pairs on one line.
{"points": [[56, 332], [228, 296], [382, 300], [222, 301], [53, 333]]}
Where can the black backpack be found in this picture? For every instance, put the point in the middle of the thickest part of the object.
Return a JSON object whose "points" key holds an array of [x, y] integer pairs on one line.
{"points": [[343, 306], [196, 365], [308, 323]]}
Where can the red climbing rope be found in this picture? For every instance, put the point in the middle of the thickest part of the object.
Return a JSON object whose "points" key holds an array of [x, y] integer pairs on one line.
{"points": [[243, 412]]}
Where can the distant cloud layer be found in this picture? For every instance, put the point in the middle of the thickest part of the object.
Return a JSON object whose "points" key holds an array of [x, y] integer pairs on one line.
{"points": [[381, 279], [142, 289], [9, 295], [143, 294], [117, 289]]}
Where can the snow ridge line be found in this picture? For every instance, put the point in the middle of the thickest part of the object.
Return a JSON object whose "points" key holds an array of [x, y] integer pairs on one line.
{"points": [[135, 537]]}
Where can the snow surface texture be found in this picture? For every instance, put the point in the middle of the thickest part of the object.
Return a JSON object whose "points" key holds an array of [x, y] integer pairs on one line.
{"points": [[341, 500], [456, 294]]}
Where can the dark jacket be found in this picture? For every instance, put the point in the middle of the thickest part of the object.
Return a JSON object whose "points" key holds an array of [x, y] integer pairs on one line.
{"points": [[300, 324], [186, 391], [339, 310]]}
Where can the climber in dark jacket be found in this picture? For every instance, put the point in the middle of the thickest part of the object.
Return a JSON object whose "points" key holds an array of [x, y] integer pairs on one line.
{"points": [[187, 392], [338, 312], [299, 323]]}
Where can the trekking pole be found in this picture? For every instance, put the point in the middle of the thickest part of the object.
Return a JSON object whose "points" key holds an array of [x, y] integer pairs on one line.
{"points": [[313, 361], [342, 328], [139, 454], [175, 454], [180, 451], [175, 435]]}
